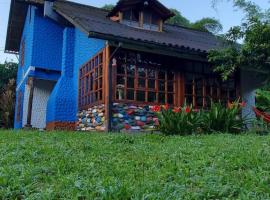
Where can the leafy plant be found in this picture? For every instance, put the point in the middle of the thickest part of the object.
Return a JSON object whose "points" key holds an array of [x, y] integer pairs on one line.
{"points": [[178, 121], [224, 119], [263, 100], [7, 105], [254, 53]]}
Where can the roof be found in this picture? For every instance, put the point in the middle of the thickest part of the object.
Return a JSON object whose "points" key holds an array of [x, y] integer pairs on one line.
{"points": [[95, 23], [17, 15], [163, 11]]}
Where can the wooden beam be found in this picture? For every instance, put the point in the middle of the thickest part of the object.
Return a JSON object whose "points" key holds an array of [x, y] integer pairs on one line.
{"points": [[30, 103]]}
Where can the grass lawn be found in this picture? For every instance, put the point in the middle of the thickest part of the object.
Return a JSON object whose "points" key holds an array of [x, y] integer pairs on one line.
{"points": [[62, 165]]}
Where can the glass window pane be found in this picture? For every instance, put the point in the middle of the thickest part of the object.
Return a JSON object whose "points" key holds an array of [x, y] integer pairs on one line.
{"points": [[161, 98], [170, 75], [152, 97], [100, 83], [96, 85], [120, 80], [121, 69], [155, 19], [130, 94], [130, 82], [170, 98], [100, 58], [100, 70], [147, 17], [141, 83], [135, 15], [189, 100], [141, 96], [120, 93], [131, 70], [151, 84], [100, 95], [161, 75], [161, 85], [141, 72], [199, 102], [170, 86], [151, 73], [127, 15]]}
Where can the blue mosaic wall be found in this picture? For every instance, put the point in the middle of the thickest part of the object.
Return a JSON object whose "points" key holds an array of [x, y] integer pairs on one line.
{"points": [[47, 43], [43, 48], [77, 49]]}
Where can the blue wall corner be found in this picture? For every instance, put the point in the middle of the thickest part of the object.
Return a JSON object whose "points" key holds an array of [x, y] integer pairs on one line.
{"points": [[61, 106]]}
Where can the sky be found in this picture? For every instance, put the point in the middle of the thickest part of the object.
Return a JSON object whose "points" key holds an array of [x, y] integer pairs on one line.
{"points": [[191, 9]]}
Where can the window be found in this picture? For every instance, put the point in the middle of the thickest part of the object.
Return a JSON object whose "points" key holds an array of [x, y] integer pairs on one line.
{"points": [[203, 86], [91, 82], [143, 80], [19, 107], [22, 57], [131, 17], [150, 20]]}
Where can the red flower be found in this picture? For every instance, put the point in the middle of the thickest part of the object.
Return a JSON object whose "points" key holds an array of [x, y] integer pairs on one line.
{"points": [[177, 110], [166, 107], [156, 109], [243, 104], [188, 109]]}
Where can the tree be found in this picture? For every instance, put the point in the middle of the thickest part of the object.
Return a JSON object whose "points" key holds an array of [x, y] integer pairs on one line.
{"points": [[7, 104], [8, 71], [108, 7], [207, 25], [254, 53], [178, 19]]}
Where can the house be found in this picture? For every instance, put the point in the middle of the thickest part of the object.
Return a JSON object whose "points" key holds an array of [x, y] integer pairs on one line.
{"points": [[85, 68]]}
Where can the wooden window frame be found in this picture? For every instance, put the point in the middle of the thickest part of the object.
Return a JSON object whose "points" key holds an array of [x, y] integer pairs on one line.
{"points": [[91, 81], [19, 107], [215, 94], [145, 89]]}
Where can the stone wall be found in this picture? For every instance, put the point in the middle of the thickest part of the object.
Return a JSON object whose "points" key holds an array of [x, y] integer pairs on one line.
{"points": [[92, 119], [129, 117]]}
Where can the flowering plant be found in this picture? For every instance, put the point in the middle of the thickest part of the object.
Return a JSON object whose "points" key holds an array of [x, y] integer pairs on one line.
{"points": [[222, 119], [178, 120]]}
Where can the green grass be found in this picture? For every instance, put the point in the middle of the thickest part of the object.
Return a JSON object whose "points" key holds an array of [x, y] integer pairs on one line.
{"points": [[62, 165]]}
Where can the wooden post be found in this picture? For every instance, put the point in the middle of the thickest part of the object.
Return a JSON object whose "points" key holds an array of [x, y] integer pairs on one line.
{"points": [[30, 103]]}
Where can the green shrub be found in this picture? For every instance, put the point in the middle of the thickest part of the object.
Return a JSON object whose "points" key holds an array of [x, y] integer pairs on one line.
{"points": [[263, 100], [178, 121], [187, 121], [224, 119]]}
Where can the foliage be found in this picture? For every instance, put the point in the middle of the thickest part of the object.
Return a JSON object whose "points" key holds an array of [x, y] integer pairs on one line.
{"points": [[263, 100], [180, 121], [62, 165], [254, 53], [187, 121], [8, 71], [7, 105], [178, 19], [224, 119], [108, 7], [207, 25]]}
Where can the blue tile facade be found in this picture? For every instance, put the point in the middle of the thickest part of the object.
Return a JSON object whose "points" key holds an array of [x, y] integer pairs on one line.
{"points": [[50, 46]]}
